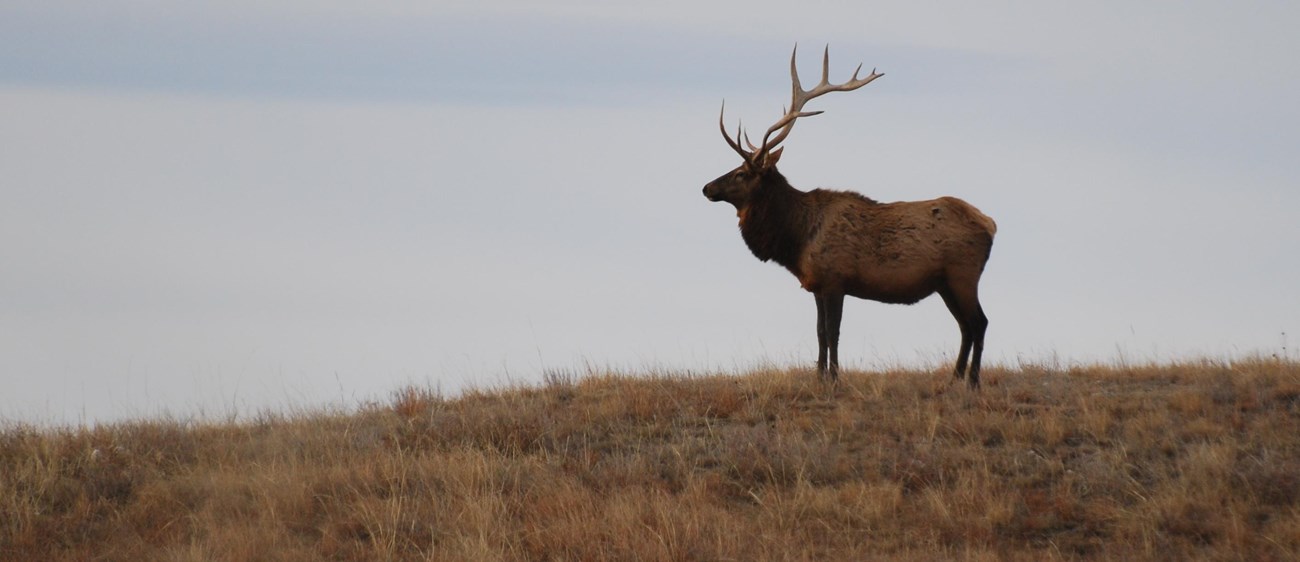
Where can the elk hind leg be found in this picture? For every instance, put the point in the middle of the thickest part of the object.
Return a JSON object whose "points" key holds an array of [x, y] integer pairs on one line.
{"points": [[950, 299], [821, 337], [965, 307], [979, 323]]}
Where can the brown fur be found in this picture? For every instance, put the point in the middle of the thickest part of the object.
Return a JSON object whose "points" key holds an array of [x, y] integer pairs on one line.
{"points": [[840, 243]]}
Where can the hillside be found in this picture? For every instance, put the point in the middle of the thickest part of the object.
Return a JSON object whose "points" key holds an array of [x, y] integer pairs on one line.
{"points": [[1188, 461]]}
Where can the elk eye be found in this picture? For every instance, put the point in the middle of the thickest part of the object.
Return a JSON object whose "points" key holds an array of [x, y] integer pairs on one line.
{"points": [[742, 175]]}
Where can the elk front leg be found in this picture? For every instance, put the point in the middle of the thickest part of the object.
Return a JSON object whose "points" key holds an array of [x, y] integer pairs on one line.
{"points": [[830, 309]]}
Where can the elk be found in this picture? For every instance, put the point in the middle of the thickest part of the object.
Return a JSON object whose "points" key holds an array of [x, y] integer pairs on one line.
{"points": [[840, 243]]}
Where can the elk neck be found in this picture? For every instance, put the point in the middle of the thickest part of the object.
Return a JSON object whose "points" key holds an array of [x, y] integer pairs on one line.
{"points": [[778, 221]]}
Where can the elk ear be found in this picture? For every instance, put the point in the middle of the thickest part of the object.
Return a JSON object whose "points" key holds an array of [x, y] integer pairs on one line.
{"points": [[772, 157]]}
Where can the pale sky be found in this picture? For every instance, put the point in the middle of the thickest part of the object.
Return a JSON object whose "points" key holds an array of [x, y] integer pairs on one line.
{"points": [[210, 208]]}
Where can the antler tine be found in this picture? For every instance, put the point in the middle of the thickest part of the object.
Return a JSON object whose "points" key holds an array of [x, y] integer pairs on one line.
{"points": [[795, 86], [826, 66], [722, 126], [799, 97]]}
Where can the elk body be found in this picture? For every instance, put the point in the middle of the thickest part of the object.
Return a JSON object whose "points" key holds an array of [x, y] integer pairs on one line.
{"points": [[840, 243]]}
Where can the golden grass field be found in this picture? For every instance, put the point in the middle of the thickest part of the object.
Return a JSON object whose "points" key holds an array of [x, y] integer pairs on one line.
{"points": [[1199, 460]]}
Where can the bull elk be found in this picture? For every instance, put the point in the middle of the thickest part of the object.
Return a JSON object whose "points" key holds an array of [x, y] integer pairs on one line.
{"points": [[841, 243]]}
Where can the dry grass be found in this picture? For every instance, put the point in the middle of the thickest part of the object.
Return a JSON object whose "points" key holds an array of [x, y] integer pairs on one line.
{"points": [[1190, 461]]}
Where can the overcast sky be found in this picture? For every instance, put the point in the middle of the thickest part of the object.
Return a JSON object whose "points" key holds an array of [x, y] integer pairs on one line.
{"points": [[217, 207]]}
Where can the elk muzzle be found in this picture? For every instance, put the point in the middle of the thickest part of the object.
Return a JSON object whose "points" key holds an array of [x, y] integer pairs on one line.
{"points": [[712, 192]]}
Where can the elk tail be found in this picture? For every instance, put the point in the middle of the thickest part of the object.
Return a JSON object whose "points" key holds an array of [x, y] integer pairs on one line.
{"points": [[977, 216], [985, 221]]}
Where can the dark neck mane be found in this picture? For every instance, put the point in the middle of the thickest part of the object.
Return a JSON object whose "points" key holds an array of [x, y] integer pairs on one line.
{"points": [[777, 223]]}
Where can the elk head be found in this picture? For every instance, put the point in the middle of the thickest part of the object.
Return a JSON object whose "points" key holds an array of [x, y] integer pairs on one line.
{"points": [[739, 185]]}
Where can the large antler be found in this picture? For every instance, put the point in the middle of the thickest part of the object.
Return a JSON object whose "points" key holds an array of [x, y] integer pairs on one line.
{"points": [[798, 98]]}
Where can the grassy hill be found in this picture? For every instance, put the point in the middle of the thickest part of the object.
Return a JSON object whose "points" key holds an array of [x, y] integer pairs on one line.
{"points": [[1187, 461]]}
